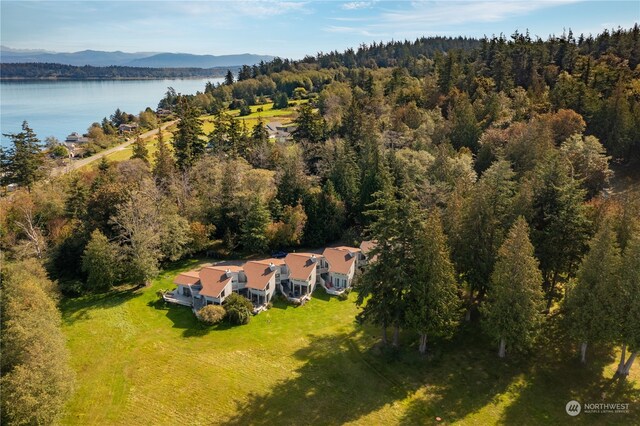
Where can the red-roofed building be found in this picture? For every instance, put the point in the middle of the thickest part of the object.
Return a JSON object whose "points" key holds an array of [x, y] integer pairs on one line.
{"points": [[216, 284], [342, 263], [302, 276], [261, 281]]}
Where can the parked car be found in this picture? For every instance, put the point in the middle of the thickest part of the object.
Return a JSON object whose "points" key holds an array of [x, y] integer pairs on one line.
{"points": [[279, 254]]}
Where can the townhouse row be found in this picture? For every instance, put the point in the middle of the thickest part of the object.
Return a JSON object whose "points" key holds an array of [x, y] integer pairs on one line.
{"points": [[295, 276]]}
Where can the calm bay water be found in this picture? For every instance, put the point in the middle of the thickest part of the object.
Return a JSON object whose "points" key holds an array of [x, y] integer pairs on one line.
{"points": [[57, 108]]}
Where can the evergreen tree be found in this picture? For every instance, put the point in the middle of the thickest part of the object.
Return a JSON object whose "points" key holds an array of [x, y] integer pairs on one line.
{"points": [[377, 283], [280, 100], [140, 150], [310, 125], [253, 231], [628, 304], [432, 299], [164, 165], [23, 163], [344, 174], [515, 301], [187, 142], [100, 262], [465, 130], [228, 78], [559, 222], [486, 217], [592, 300]]}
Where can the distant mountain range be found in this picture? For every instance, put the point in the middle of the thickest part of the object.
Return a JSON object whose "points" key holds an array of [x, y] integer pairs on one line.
{"points": [[139, 59]]}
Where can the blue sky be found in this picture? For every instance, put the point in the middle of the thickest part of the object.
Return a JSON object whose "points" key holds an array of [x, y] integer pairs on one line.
{"points": [[288, 28]]}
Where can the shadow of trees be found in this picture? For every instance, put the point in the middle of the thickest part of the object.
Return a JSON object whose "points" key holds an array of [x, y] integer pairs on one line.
{"points": [[333, 386], [556, 377], [183, 318], [78, 308]]}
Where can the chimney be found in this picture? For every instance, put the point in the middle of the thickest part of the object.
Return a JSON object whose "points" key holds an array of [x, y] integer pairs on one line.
{"points": [[313, 258], [272, 266], [228, 273]]}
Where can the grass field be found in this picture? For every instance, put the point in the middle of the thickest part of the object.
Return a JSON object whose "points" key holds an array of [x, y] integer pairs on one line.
{"points": [[139, 362]]}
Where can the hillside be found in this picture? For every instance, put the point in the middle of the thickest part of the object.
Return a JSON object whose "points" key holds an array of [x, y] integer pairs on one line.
{"points": [[139, 59]]}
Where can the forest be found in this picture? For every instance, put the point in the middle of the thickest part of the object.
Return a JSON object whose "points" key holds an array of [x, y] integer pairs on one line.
{"points": [[47, 71], [483, 169]]}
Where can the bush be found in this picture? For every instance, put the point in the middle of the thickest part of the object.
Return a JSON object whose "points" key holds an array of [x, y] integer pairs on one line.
{"points": [[244, 110], [239, 309], [269, 305], [211, 314], [343, 296]]}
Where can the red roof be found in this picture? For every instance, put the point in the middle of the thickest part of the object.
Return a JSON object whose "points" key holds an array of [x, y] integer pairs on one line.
{"points": [[340, 259], [300, 265], [187, 278], [258, 274], [277, 262], [213, 280]]}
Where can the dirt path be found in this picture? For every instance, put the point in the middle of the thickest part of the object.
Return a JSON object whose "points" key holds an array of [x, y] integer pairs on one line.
{"points": [[76, 164]]}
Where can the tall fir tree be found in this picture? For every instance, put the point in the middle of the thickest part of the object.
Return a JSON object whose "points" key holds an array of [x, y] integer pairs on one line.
{"points": [[628, 306], [24, 162], [559, 222], [486, 217], [187, 142], [592, 300], [100, 262], [513, 309], [432, 300], [253, 230], [164, 164], [140, 150]]}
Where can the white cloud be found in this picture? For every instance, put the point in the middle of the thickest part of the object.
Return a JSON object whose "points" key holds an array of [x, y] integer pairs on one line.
{"points": [[354, 5], [427, 17]]}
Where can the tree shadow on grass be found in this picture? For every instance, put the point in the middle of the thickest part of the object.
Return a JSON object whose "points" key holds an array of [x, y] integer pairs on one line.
{"points": [[557, 377], [348, 376], [458, 378], [333, 386], [78, 309], [183, 318]]}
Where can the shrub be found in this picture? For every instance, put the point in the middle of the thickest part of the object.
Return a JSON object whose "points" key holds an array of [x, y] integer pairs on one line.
{"points": [[244, 110], [269, 305], [238, 309], [211, 314], [343, 296]]}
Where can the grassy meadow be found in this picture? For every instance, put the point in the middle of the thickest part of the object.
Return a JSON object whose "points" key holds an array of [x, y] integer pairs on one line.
{"points": [[141, 362]]}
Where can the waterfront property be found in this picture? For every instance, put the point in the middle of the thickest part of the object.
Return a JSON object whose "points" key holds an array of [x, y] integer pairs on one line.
{"points": [[295, 277]]}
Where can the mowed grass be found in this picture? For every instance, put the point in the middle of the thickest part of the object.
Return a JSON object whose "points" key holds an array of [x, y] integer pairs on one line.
{"points": [[141, 362], [267, 114]]}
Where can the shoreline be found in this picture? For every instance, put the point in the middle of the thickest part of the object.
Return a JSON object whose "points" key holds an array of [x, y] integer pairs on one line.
{"points": [[196, 77]]}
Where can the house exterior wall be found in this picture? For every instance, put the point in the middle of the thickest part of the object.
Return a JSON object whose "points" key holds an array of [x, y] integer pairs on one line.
{"points": [[342, 280], [267, 293]]}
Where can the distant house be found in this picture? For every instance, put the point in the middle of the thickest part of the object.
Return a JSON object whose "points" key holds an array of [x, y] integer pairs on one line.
{"points": [[75, 137], [277, 131], [161, 112], [128, 128]]}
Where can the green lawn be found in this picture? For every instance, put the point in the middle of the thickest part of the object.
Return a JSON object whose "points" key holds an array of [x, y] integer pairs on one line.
{"points": [[267, 114], [139, 362]]}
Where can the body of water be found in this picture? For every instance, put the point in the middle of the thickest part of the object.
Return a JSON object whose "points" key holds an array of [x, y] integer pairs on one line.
{"points": [[57, 108]]}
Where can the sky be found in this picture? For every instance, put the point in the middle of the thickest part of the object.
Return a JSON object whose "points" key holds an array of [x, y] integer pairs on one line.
{"points": [[289, 29]]}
